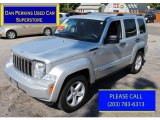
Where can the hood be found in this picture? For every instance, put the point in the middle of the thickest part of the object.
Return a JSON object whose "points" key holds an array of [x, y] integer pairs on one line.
{"points": [[51, 49]]}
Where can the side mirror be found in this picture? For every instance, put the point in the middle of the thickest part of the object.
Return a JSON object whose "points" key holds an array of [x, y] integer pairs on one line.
{"points": [[112, 39], [141, 31]]}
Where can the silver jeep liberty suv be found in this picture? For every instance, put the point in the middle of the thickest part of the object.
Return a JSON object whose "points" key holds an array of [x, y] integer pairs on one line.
{"points": [[61, 68]]}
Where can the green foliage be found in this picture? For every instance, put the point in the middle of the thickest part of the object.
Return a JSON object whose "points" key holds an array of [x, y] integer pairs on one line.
{"points": [[66, 7], [154, 5]]}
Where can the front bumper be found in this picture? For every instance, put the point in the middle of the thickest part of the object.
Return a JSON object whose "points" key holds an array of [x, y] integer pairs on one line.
{"points": [[35, 88]]}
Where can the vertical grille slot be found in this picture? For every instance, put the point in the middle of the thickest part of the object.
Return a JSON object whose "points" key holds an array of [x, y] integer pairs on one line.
{"points": [[22, 64]]}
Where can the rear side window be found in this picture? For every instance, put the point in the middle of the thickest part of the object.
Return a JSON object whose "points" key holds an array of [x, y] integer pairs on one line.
{"points": [[130, 27], [141, 26]]}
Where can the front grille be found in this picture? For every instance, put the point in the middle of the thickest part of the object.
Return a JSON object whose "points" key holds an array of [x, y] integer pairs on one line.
{"points": [[22, 64]]}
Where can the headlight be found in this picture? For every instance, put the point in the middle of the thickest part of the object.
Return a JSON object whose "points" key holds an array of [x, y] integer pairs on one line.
{"points": [[11, 59], [39, 69]]}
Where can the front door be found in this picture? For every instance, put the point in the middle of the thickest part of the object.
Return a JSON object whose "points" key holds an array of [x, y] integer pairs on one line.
{"points": [[110, 55]]}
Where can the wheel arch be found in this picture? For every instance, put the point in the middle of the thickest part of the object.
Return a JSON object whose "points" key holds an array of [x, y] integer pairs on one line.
{"points": [[136, 50], [84, 72], [68, 70], [11, 30], [46, 28]]}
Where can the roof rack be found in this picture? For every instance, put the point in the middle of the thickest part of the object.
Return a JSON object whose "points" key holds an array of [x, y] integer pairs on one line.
{"points": [[121, 14]]}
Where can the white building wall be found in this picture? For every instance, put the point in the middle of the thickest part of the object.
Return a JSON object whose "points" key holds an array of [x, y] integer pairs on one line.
{"points": [[120, 7]]}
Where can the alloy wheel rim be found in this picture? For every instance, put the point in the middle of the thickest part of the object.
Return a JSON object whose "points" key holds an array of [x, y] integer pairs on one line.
{"points": [[47, 32], [75, 94], [138, 62], [11, 35]]}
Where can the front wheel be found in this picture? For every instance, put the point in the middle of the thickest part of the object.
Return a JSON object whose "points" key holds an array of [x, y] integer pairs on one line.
{"points": [[137, 63], [74, 94]]}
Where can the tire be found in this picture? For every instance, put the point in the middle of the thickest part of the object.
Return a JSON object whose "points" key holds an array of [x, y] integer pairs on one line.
{"points": [[47, 32], [136, 66], [69, 91], [154, 21], [11, 34]]}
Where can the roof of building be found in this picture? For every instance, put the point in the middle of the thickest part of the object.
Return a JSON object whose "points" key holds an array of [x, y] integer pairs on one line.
{"points": [[88, 7], [141, 7]]}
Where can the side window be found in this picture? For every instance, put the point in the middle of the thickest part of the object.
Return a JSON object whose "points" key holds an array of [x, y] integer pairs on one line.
{"points": [[130, 27], [114, 32], [141, 26], [67, 15]]}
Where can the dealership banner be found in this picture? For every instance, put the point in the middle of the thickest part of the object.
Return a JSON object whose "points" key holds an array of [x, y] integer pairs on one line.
{"points": [[127, 100], [29, 14]]}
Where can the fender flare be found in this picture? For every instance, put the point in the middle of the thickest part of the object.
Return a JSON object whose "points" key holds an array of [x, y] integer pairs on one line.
{"points": [[135, 50], [62, 71]]}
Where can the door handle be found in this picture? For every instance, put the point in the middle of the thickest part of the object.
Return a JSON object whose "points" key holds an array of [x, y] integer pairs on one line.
{"points": [[122, 43], [137, 39]]}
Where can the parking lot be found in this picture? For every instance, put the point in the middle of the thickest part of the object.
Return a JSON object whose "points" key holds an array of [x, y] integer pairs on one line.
{"points": [[15, 103]]}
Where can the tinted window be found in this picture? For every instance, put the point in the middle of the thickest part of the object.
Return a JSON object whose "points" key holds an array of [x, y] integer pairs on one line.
{"points": [[81, 29], [130, 27], [67, 15], [114, 30], [60, 15], [141, 26]]}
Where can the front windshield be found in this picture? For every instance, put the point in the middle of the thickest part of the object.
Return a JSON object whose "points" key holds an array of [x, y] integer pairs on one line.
{"points": [[81, 29]]}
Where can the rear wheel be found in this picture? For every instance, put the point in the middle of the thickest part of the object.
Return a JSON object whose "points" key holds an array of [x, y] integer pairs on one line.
{"points": [[154, 21], [47, 31], [137, 63], [11, 34], [73, 94]]}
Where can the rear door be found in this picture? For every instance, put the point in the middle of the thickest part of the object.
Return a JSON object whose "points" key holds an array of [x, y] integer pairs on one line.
{"points": [[37, 29], [130, 32]]}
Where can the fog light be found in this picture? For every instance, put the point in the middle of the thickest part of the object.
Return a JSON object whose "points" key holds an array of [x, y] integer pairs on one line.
{"points": [[51, 89]]}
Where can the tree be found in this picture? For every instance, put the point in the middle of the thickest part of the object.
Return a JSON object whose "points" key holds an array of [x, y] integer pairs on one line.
{"points": [[66, 7], [154, 5]]}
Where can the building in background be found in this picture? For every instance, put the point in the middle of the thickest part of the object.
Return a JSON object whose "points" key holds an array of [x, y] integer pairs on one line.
{"points": [[112, 7], [125, 7], [89, 7]]}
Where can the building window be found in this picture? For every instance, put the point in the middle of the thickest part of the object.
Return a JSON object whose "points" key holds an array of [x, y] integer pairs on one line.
{"points": [[135, 5], [132, 5]]}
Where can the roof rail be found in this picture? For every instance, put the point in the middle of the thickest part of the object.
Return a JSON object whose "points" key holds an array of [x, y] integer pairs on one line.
{"points": [[121, 14]]}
